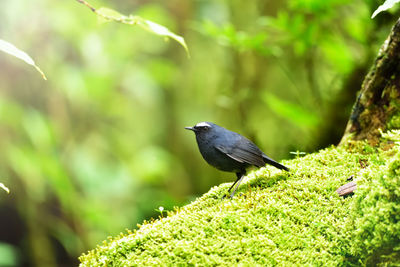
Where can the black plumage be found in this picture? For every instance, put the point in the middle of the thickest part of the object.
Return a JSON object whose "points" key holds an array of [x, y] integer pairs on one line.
{"points": [[229, 151]]}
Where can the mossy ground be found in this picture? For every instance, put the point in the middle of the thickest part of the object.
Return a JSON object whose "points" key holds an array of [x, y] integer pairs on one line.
{"points": [[279, 218]]}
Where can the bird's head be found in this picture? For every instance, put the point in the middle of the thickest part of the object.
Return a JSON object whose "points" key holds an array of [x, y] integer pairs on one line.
{"points": [[201, 127]]}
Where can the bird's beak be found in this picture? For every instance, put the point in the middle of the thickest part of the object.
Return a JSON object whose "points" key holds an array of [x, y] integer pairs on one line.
{"points": [[189, 128]]}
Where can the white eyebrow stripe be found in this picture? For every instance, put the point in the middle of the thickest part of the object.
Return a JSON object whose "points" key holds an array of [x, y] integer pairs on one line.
{"points": [[203, 124]]}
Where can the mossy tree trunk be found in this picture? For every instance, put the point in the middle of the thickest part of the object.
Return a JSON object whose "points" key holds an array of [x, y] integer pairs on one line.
{"points": [[378, 103]]}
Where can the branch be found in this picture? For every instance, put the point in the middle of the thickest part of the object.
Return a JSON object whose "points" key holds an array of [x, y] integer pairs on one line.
{"points": [[152, 27]]}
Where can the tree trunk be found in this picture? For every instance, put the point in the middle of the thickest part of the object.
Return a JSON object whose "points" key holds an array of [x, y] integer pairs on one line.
{"points": [[378, 103]]}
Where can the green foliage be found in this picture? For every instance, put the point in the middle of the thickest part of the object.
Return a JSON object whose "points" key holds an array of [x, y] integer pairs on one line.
{"points": [[292, 112], [279, 218], [8, 255], [228, 35], [79, 148]]}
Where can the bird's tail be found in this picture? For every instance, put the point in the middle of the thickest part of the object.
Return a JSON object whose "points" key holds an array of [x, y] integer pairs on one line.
{"points": [[274, 163]]}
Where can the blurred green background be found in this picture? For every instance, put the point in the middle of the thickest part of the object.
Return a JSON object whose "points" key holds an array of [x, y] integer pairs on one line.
{"points": [[100, 146]]}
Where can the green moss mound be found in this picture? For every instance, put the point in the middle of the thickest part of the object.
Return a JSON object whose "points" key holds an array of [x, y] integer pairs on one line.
{"points": [[375, 212], [279, 218]]}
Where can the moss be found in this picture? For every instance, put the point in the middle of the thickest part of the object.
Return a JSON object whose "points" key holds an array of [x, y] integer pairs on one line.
{"points": [[394, 122], [280, 218], [375, 212]]}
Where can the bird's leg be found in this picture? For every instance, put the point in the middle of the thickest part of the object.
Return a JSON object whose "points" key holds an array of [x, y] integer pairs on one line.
{"points": [[238, 178], [238, 181]]}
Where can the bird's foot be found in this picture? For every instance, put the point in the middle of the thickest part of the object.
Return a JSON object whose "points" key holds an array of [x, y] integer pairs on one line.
{"points": [[226, 195]]}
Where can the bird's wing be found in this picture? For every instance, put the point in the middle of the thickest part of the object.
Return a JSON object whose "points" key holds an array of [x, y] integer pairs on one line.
{"points": [[225, 151], [244, 152]]}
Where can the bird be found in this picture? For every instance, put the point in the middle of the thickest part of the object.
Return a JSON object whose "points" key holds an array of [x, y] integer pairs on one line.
{"points": [[229, 151]]}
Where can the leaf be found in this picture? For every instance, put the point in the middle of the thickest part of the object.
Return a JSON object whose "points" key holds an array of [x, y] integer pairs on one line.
{"points": [[293, 112], [111, 15], [5, 188], [385, 6], [12, 50], [160, 30]]}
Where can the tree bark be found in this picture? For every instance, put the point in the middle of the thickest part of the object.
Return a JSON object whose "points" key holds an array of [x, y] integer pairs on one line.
{"points": [[378, 103]]}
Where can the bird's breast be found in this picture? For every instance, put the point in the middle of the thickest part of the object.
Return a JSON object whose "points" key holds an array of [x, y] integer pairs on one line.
{"points": [[216, 158]]}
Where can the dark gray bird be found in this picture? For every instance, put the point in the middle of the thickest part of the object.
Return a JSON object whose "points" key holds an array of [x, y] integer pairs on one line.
{"points": [[229, 151]]}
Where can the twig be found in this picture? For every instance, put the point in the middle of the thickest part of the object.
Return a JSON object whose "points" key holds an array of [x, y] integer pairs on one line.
{"points": [[347, 189], [88, 5]]}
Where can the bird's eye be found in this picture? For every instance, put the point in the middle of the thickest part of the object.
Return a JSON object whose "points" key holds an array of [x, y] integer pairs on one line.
{"points": [[201, 128]]}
